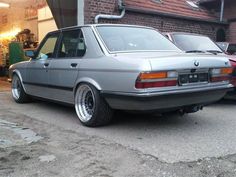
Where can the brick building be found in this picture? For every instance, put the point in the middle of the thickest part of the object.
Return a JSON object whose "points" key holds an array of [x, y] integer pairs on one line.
{"points": [[228, 14], [196, 16], [165, 15]]}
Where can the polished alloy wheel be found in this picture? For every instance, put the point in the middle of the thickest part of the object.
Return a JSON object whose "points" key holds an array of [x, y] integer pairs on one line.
{"points": [[16, 88], [84, 103]]}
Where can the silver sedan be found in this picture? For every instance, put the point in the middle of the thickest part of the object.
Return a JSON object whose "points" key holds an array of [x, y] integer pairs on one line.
{"points": [[101, 68]]}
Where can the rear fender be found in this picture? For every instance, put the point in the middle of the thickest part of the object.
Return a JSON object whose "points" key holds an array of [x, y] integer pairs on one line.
{"points": [[87, 80]]}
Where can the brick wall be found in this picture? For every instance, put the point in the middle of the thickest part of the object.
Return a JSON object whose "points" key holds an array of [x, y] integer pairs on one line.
{"points": [[229, 11], [95, 7], [163, 24], [232, 32]]}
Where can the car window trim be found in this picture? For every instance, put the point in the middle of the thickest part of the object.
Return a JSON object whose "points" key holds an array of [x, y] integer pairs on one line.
{"points": [[43, 42], [60, 42]]}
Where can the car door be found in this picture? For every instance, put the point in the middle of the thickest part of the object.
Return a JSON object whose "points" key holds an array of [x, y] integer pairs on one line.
{"points": [[63, 69], [37, 78]]}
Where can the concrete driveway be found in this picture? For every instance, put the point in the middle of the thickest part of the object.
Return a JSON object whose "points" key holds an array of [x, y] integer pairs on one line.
{"points": [[4, 85], [208, 134]]}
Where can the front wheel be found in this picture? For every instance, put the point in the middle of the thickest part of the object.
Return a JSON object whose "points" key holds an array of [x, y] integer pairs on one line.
{"points": [[92, 110], [17, 90]]}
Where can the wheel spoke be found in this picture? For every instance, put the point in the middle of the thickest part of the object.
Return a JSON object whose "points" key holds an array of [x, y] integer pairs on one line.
{"points": [[16, 88], [85, 103]]}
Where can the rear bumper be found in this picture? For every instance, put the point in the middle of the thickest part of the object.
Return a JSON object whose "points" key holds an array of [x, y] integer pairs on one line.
{"points": [[166, 101]]}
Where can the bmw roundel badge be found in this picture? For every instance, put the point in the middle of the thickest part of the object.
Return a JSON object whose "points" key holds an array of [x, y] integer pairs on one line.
{"points": [[196, 63]]}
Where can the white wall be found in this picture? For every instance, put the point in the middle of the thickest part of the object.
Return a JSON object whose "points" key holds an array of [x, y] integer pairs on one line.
{"points": [[46, 23]]}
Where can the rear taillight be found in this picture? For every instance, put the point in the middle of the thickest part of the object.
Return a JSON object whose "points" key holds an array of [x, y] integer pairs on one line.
{"points": [[220, 74], [156, 79]]}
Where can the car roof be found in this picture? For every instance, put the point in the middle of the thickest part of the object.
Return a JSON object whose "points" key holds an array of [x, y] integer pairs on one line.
{"points": [[102, 24]]}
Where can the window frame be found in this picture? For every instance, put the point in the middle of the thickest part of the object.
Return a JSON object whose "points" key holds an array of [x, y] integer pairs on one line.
{"points": [[192, 4], [60, 43], [157, 1], [44, 41]]}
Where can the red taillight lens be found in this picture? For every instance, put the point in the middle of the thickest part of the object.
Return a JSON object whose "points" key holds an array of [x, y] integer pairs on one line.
{"points": [[142, 85], [220, 78], [156, 79], [221, 74]]}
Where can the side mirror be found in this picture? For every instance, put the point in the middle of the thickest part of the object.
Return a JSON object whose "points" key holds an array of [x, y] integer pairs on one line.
{"points": [[30, 53]]}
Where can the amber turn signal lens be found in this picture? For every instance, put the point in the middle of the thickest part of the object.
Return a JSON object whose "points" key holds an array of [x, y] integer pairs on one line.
{"points": [[226, 70], [156, 75]]}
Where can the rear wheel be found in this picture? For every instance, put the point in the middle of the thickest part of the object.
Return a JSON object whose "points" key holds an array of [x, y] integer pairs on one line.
{"points": [[17, 90], [92, 110]]}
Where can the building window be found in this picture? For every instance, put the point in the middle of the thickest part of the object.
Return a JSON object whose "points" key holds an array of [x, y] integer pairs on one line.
{"points": [[193, 4], [157, 1]]}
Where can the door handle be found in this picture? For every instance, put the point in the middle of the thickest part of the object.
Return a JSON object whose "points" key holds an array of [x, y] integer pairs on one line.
{"points": [[46, 64], [73, 65]]}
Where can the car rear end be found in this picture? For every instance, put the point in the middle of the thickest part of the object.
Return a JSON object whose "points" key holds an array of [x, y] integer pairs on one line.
{"points": [[174, 81], [185, 83]]}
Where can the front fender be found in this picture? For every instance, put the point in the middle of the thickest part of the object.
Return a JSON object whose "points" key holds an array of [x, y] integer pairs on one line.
{"points": [[17, 72]]}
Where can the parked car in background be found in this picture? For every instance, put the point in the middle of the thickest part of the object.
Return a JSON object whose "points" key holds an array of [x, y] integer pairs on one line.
{"points": [[193, 43], [227, 47], [196, 43], [99, 68]]}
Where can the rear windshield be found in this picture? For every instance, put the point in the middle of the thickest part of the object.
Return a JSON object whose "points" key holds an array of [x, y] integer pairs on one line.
{"points": [[123, 39], [232, 49], [222, 45], [188, 42]]}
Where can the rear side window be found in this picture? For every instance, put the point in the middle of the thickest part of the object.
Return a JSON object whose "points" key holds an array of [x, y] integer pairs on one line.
{"points": [[232, 49], [72, 44]]}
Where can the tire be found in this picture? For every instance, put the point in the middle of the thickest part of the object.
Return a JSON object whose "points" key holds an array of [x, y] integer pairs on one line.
{"points": [[17, 91], [92, 110]]}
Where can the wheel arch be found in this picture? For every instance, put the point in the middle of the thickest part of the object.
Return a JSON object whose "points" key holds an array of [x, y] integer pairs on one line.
{"points": [[89, 81], [17, 72]]}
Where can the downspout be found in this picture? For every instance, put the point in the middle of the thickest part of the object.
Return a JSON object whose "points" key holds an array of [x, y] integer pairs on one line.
{"points": [[80, 12], [222, 10], [112, 17]]}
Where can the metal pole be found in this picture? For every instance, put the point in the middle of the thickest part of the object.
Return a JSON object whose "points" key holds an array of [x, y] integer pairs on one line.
{"points": [[222, 10]]}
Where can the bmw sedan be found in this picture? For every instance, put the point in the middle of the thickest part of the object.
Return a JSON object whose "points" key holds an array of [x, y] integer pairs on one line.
{"points": [[101, 68]]}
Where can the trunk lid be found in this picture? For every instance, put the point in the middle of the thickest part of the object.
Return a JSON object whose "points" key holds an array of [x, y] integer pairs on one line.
{"points": [[181, 62], [174, 60]]}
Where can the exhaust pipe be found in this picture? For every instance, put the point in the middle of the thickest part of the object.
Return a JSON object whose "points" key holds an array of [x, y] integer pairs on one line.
{"points": [[190, 109]]}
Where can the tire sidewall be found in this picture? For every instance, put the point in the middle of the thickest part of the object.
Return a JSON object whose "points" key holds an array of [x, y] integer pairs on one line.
{"points": [[22, 95], [96, 95]]}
